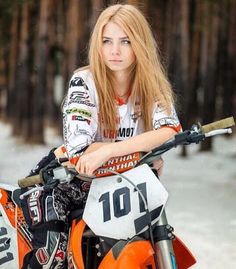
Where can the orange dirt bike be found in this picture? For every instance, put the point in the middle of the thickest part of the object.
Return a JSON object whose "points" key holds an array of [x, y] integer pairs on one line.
{"points": [[123, 224]]}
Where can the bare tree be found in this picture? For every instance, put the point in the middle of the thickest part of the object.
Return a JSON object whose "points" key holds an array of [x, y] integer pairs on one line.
{"points": [[54, 67], [77, 23], [209, 64], [21, 118], [41, 61], [228, 60], [3, 82], [194, 57], [13, 56]]}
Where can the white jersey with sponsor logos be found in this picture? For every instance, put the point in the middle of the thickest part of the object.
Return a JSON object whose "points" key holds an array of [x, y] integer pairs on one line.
{"points": [[80, 116]]}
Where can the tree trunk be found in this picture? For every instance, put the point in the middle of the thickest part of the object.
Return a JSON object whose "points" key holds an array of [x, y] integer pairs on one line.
{"points": [[96, 7], [20, 119], [54, 63], [209, 71], [157, 11], [41, 56], [13, 60], [192, 107], [3, 83], [229, 91], [184, 63], [172, 41], [76, 37], [142, 5]]}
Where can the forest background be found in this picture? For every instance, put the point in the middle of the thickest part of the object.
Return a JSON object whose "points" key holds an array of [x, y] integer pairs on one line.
{"points": [[42, 42]]}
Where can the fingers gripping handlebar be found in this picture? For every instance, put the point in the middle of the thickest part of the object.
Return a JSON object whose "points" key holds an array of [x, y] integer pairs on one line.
{"points": [[195, 135]]}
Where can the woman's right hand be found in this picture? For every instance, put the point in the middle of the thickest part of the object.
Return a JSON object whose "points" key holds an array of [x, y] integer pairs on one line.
{"points": [[90, 161]]}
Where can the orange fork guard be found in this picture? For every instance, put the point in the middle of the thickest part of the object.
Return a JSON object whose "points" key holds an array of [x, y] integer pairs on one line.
{"points": [[184, 258]]}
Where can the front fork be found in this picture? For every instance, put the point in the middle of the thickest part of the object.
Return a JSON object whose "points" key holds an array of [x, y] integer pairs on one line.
{"points": [[163, 244]]}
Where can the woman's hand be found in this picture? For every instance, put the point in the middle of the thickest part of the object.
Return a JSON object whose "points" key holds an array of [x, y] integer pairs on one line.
{"points": [[158, 166], [89, 162]]}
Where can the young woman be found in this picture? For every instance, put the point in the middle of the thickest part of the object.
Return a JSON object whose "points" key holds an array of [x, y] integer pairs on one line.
{"points": [[122, 102]]}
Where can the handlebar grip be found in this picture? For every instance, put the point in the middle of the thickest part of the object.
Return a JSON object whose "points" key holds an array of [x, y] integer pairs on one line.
{"points": [[30, 181], [220, 124]]}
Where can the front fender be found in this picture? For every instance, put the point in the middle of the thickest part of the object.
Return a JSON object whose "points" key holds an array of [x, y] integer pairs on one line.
{"points": [[134, 255]]}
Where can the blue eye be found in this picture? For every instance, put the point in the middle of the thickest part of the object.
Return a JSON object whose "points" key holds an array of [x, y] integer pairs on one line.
{"points": [[106, 41], [126, 41]]}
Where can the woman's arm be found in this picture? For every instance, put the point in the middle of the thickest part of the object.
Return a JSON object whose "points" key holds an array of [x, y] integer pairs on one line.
{"points": [[143, 142], [80, 113], [90, 161]]}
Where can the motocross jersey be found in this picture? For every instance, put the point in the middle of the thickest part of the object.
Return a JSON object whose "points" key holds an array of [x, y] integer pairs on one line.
{"points": [[81, 125]]}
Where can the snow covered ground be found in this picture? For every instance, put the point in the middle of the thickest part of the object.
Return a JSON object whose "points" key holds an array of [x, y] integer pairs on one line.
{"points": [[202, 193]]}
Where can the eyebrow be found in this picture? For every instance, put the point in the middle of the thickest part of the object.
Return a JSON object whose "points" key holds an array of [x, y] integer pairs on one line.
{"points": [[121, 38]]}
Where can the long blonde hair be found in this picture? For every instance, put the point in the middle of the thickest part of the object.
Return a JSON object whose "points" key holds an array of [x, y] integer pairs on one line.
{"points": [[149, 81]]}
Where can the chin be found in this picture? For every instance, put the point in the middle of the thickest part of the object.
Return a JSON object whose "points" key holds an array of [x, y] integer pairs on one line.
{"points": [[117, 68]]}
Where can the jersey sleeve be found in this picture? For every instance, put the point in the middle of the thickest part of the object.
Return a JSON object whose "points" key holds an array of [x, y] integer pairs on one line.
{"points": [[162, 119], [79, 115]]}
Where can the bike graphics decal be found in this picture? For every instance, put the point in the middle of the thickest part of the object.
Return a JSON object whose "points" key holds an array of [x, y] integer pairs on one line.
{"points": [[15, 238], [119, 164], [5, 243], [122, 206], [143, 221]]}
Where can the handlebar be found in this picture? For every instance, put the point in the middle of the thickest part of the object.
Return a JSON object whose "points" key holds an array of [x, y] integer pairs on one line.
{"points": [[195, 135], [220, 124], [30, 181], [60, 174]]}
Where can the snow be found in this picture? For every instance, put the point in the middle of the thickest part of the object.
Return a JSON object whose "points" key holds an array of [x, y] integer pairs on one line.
{"points": [[202, 202], [17, 158], [202, 192]]}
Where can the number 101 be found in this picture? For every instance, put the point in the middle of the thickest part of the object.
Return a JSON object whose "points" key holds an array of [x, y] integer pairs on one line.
{"points": [[121, 202]]}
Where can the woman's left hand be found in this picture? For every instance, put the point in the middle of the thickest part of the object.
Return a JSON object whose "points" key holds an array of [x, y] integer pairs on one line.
{"points": [[158, 166]]}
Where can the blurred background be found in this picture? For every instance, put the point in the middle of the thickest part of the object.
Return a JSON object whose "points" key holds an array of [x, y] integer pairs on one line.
{"points": [[43, 41]]}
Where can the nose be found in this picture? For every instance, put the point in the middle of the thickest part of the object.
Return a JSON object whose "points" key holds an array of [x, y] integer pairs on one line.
{"points": [[115, 50]]}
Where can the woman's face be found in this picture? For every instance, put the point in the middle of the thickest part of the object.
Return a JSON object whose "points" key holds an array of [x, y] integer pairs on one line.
{"points": [[117, 52]]}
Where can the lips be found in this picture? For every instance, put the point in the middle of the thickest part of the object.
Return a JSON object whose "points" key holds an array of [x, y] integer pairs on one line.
{"points": [[115, 61]]}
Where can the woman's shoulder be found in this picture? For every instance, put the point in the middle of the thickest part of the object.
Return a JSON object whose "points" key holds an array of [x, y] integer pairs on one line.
{"points": [[83, 72], [83, 78]]}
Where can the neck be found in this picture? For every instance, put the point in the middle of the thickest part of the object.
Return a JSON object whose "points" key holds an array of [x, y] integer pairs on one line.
{"points": [[122, 83]]}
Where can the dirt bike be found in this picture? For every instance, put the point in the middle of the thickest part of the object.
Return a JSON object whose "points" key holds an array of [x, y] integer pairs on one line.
{"points": [[123, 224]]}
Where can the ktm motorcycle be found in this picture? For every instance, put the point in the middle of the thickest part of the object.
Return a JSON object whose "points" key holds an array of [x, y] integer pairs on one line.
{"points": [[123, 224]]}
